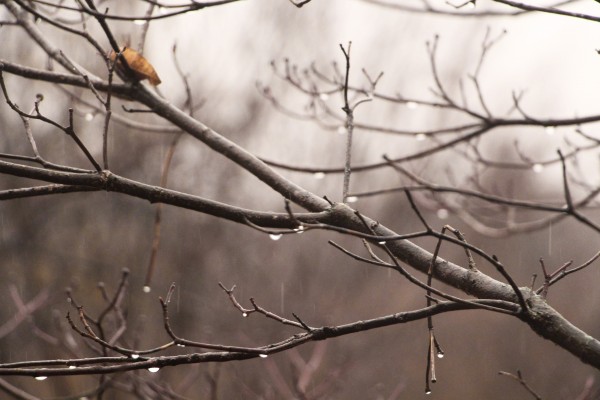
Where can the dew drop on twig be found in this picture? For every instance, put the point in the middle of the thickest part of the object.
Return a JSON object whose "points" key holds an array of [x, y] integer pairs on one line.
{"points": [[135, 356], [275, 236], [420, 137], [263, 355], [41, 378], [319, 175], [411, 105], [154, 369], [146, 289], [351, 199]]}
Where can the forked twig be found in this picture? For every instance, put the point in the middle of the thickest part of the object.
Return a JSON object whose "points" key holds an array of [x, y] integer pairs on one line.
{"points": [[519, 378]]}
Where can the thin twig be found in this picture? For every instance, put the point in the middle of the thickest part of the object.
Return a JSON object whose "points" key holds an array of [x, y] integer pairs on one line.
{"points": [[349, 125], [519, 378]]}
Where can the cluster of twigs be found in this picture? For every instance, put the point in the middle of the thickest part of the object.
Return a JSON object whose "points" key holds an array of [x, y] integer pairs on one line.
{"points": [[462, 141]]}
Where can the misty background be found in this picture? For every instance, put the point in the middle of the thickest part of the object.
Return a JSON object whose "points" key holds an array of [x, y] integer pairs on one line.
{"points": [[78, 240]]}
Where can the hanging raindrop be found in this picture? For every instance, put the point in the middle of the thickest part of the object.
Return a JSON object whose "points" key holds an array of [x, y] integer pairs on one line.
{"points": [[140, 22], [420, 137], [89, 116], [275, 236], [41, 378], [382, 242], [319, 175], [147, 289], [550, 130], [324, 96], [411, 105], [341, 130], [135, 356], [263, 355], [72, 367], [153, 369], [299, 229], [537, 168], [351, 199], [245, 314]]}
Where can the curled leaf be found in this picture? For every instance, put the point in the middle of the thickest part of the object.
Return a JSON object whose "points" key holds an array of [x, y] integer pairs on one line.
{"points": [[139, 66]]}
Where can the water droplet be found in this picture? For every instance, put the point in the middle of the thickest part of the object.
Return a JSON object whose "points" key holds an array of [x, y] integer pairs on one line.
{"points": [[274, 236], [420, 137], [299, 229], [41, 378], [550, 130], [147, 289], [341, 130], [244, 314], [382, 242], [319, 175], [135, 356], [440, 354], [180, 345], [411, 105], [442, 213], [351, 199], [428, 391], [153, 369], [537, 168], [89, 116], [72, 367], [263, 355], [140, 21], [324, 96], [471, 5]]}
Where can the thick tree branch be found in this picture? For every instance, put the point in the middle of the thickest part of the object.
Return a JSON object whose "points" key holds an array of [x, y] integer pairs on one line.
{"points": [[111, 182]]}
